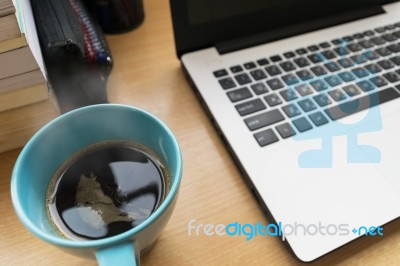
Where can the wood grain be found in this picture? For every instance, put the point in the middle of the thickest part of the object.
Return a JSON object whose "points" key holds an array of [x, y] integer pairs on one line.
{"points": [[147, 74], [18, 125]]}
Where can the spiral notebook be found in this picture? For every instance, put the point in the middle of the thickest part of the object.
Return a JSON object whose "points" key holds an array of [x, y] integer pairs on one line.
{"points": [[77, 58]]}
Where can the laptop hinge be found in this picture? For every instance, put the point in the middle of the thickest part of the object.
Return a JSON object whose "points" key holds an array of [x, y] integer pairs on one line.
{"points": [[288, 31]]}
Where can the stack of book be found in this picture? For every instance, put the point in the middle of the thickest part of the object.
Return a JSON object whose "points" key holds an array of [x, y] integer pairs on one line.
{"points": [[25, 103]]}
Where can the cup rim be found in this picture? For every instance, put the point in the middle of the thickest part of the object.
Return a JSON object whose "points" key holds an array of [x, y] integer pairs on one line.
{"points": [[176, 180]]}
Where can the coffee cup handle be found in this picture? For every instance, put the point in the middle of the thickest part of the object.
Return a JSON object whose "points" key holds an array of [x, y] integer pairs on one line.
{"points": [[122, 255]]}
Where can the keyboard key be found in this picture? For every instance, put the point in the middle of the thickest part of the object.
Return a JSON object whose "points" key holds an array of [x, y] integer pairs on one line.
{"points": [[383, 51], [386, 64], [287, 66], [319, 85], [354, 47], [362, 103], [332, 66], [316, 58], [371, 55], [288, 95], [341, 50], [290, 79], [365, 85], [347, 38], [275, 58], [250, 107], [275, 84], [273, 70], [346, 76], [366, 44], [249, 65], [285, 130], [345, 62], [337, 41], [220, 73], [289, 54], [291, 110], [389, 37], [302, 124], [380, 29], [262, 61], [236, 69], [227, 83], [351, 90], [266, 137], [258, 74], [239, 94], [322, 99], [369, 33], [242, 79], [273, 99], [259, 88], [313, 48], [390, 27], [392, 77], [318, 70], [264, 119], [324, 45], [318, 119], [397, 34], [307, 105], [301, 51], [378, 81], [328, 54], [378, 40], [359, 59], [304, 74], [333, 80], [394, 48], [337, 95], [396, 60], [304, 89], [301, 62], [360, 72], [358, 36], [373, 68]]}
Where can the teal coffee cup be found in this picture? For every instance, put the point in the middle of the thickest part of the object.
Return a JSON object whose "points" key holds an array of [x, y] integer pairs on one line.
{"points": [[63, 137]]}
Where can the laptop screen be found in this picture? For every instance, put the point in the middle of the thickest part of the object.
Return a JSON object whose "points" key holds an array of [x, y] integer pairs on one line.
{"points": [[204, 23], [200, 11]]}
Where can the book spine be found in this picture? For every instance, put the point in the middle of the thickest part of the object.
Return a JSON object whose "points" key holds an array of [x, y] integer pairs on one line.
{"points": [[22, 97], [19, 125], [28, 27]]}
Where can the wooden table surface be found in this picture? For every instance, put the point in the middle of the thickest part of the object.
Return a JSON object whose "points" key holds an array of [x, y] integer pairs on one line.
{"points": [[148, 75]]}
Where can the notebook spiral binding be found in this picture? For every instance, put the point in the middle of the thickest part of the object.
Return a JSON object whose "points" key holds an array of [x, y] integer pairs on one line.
{"points": [[76, 55]]}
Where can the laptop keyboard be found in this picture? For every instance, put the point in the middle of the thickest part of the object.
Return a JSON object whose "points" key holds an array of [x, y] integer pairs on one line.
{"points": [[294, 92]]}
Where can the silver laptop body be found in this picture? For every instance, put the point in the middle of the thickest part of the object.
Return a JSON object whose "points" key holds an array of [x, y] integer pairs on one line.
{"points": [[325, 172]]}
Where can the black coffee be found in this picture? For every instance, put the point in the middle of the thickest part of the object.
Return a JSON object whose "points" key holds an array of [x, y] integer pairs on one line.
{"points": [[105, 190]]}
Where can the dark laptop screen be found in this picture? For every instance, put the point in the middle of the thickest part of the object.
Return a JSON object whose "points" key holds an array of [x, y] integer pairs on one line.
{"points": [[204, 23], [200, 11]]}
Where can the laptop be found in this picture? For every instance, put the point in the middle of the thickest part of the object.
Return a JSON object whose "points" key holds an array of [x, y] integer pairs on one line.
{"points": [[305, 95]]}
